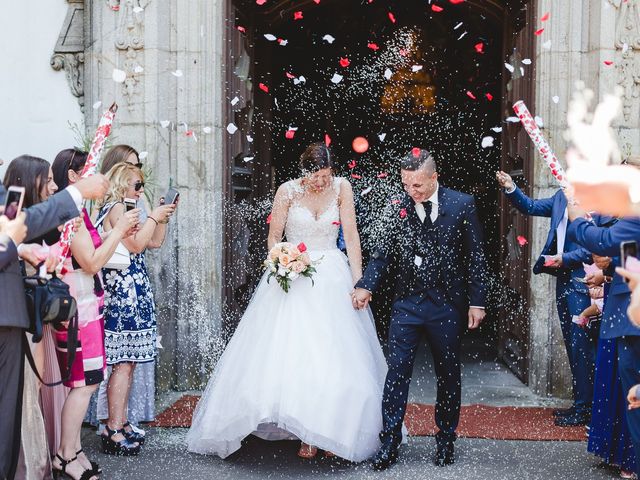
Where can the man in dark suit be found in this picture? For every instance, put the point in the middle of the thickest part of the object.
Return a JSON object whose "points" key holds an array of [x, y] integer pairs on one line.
{"points": [[564, 259], [615, 322], [38, 220], [433, 240]]}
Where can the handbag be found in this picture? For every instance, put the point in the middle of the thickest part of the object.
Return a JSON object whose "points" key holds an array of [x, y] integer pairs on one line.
{"points": [[121, 259]]}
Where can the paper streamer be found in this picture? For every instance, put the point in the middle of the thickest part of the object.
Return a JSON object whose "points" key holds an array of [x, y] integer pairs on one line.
{"points": [[539, 141]]}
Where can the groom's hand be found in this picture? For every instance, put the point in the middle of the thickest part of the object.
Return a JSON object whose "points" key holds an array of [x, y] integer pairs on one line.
{"points": [[360, 298], [476, 315]]}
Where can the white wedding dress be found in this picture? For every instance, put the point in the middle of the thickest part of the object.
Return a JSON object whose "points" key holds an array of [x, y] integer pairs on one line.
{"points": [[302, 364]]}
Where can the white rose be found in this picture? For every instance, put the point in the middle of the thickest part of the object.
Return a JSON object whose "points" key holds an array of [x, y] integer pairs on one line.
{"points": [[282, 271]]}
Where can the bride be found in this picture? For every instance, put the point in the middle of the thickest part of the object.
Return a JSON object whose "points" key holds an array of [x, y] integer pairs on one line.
{"points": [[303, 364]]}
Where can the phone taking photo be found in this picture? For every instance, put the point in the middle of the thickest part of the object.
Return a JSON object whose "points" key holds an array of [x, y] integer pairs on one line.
{"points": [[628, 249], [13, 202], [171, 198], [129, 204]]}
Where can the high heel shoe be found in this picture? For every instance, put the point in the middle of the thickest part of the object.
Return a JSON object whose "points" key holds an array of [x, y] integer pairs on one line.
{"points": [[61, 473], [124, 447], [307, 451], [136, 435], [97, 469]]}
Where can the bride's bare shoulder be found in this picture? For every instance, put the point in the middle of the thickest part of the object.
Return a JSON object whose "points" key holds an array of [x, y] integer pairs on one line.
{"points": [[290, 188]]}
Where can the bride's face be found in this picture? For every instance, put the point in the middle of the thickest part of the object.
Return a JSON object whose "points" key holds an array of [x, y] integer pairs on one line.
{"points": [[318, 181]]}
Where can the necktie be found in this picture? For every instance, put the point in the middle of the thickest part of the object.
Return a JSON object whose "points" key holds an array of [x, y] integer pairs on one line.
{"points": [[428, 206]]}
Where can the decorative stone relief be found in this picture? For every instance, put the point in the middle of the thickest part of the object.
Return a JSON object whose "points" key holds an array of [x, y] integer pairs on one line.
{"points": [[627, 41], [68, 54], [129, 39]]}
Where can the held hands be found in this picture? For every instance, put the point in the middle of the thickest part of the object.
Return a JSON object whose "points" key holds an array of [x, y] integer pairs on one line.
{"points": [[94, 187], [601, 262], [360, 298], [505, 180], [36, 254], [476, 316], [15, 229]]}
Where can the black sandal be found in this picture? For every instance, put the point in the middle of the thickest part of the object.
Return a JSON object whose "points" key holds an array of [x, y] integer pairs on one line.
{"points": [[124, 447], [61, 473], [94, 466], [133, 436]]}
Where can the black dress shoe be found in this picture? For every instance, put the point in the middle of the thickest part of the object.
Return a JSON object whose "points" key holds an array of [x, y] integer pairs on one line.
{"points": [[386, 456], [564, 412], [444, 454], [577, 419]]}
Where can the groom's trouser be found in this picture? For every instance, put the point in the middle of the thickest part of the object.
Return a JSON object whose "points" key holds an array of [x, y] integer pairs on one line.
{"points": [[441, 324]]}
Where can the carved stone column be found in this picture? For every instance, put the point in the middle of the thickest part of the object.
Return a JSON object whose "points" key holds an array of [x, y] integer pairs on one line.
{"points": [[68, 54]]}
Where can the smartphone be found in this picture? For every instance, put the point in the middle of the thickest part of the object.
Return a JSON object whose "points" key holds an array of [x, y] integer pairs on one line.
{"points": [[13, 201], [129, 204], [579, 279], [628, 249], [171, 197]]}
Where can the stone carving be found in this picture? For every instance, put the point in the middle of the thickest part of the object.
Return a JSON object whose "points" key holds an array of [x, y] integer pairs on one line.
{"points": [[129, 39], [68, 54], [627, 41]]}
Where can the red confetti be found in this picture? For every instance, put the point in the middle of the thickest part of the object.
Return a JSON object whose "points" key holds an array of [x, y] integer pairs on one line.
{"points": [[344, 62], [392, 17], [352, 164], [115, 8], [297, 16], [263, 87], [356, 177], [373, 46], [456, 2], [436, 8], [403, 52], [415, 152], [290, 134], [471, 95], [327, 140], [522, 241], [383, 175], [479, 47], [261, 2], [289, 75], [241, 29], [189, 133], [489, 97], [545, 17], [336, 223], [608, 63], [268, 219], [539, 31], [317, 2], [280, 40], [302, 247], [395, 201], [403, 213]]}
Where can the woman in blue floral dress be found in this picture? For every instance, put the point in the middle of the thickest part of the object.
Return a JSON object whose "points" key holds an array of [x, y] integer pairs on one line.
{"points": [[129, 313]]}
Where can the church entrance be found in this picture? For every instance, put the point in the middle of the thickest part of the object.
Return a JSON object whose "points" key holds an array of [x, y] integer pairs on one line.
{"points": [[376, 79]]}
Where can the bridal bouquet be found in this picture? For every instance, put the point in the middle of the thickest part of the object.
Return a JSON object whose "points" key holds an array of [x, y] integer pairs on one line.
{"points": [[286, 262]]}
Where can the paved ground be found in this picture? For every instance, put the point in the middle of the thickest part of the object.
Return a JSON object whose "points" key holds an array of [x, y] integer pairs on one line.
{"points": [[485, 380]]}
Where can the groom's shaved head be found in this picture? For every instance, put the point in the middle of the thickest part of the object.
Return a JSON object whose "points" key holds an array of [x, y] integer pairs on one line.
{"points": [[419, 159]]}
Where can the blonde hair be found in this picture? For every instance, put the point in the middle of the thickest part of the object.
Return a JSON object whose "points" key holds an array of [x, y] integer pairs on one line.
{"points": [[118, 177]]}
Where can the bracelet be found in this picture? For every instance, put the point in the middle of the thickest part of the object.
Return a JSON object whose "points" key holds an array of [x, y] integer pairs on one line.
{"points": [[151, 218]]}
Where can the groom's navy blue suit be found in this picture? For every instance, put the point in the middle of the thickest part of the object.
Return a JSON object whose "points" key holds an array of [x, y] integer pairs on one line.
{"points": [[432, 297]]}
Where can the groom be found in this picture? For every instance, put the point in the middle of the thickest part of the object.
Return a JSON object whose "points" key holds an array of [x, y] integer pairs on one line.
{"points": [[433, 242]]}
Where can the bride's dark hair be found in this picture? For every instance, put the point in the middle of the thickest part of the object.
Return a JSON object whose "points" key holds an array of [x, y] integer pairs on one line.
{"points": [[316, 157]]}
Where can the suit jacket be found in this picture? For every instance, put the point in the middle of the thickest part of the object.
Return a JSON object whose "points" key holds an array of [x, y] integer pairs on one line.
{"points": [[459, 233], [573, 255], [40, 219], [606, 242]]}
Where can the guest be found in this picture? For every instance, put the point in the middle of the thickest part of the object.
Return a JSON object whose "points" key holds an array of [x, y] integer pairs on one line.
{"points": [[129, 305], [564, 260], [14, 319], [89, 253]]}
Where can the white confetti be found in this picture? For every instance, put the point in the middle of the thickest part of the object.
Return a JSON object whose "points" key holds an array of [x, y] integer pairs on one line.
{"points": [[416, 68], [512, 119], [463, 35], [270, 37], [337, 78], [143, 155], [388, 73], [497, 129], [299, 80], [138, 69], [234, 100], [522, 71], [247, 159], [555, 99], [526, 61], [625, 47], [249, 139], [119, 76], [97, 105], [206, 130], [138, 9], [177, 73], [458, 26], [328, 38], [539, 121], [365, 191], [509, 67], [487, 142], [547, 45], [283, 43], [382, 136], [231, 128], [165, 123]]}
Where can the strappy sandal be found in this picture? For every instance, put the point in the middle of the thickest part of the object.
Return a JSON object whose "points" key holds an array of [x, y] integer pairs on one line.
{"points": [[136, 435], [61, 473], [124, 447], [307, 451], [97, 469]]}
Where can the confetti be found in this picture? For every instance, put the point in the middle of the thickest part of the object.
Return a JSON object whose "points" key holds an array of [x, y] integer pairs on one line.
{"points": [[263, 87], [471, 95], [547, 45], [289, 134], [509, 67], [270, 37], [522, 241], [436, 8], [234, 101], [403, 213], [231, 128], [241, 29], [479, 47], [177, 73], [344, 62], [545, 17], [539, 31], [458, 25], [297, 15], [526, 61], [513, 119], [456, 2], [337, 78], [118, 76], [328, 38], [373, 46], [261, 2], [489, 96], [497, 129], [415, 151], [143, 155], [392, 17], [268, 219], [608, 63], [555, 99], [416, 68], [327, 139], [138, 69], [352, 164], [97, 105], [165, 123], [206, 130], [249, 139], [366, 191], [356, 176], [388, 73], [539, 121], [382, 136], [487, 142]]}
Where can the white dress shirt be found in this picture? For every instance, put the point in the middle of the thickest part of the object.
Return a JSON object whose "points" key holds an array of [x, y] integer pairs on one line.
{"points": [[422, 214], [561, 232]]}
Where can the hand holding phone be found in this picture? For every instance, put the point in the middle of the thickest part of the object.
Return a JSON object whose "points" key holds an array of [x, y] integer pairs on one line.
{"points": [[13, 202], [129, 204], [172, 196], [627, 250]]}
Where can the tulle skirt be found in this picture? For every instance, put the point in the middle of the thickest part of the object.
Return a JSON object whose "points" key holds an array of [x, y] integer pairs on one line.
{"points": [[302, 364]]}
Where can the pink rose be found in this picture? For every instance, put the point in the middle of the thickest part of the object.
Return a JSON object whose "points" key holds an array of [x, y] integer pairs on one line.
{"points": [[284, 259], [297, 266], [305, 259]]}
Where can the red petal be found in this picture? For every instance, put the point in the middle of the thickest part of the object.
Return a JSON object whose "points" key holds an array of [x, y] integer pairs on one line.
{"points": [[317, 2], [383, 175], [436, 8], [456, 2], [608, 63], [302, 247], [395, 201], [352, 164], [289, 75], [327, 140], [297, 16], [471, 95], [415, 152], [263, 87], [479, 47], [268, 219], [261, 2], [403, 52], [545, 17], [373, 46], [357, 177], [489, 96], [403, 212], [241, 29], [392, 17], [344, 62], [522, 240], [335, 223], [539, 31], [290, 134]]}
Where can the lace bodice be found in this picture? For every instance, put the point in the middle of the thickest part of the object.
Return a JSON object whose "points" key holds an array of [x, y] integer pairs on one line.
{"points": [[317, 233]]}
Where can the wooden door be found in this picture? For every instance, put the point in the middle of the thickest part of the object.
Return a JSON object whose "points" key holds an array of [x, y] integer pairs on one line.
{"points": [[517, 158]]}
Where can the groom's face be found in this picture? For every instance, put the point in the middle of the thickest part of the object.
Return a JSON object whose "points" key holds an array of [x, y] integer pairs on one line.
{"points": [[419, 184]]}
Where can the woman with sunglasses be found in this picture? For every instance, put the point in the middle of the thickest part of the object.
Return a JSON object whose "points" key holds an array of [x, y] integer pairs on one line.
{"points": [[130, 320]]}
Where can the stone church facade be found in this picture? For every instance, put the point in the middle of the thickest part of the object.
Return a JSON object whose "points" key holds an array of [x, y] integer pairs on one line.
{"points": [[175, 102]]}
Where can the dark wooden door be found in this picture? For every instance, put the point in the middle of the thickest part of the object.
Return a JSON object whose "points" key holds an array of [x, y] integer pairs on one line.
{"points": [[517, 158]]}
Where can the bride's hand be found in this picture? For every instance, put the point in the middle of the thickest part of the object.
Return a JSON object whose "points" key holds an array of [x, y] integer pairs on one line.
{"points": [[360, 298]]}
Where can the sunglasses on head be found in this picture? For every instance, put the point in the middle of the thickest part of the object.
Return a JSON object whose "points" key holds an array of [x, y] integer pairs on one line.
{"points": [[138, 185], [139, 165]]}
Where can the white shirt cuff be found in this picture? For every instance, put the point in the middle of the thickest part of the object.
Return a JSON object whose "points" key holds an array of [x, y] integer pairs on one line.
{"points": [[20, 248], [511, 190], [472, 306], [76, 196]]}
